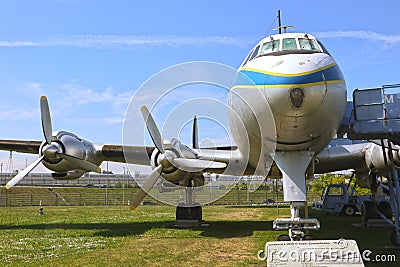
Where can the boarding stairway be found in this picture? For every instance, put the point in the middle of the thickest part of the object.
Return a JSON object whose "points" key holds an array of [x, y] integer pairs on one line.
{"points": [[376, 116]]}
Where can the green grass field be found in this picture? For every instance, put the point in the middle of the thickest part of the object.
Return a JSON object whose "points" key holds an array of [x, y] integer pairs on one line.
{"points": [[115, 236]]}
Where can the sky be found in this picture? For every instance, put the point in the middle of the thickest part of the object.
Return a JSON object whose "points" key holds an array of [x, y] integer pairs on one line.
{"points": [[90, 57]]}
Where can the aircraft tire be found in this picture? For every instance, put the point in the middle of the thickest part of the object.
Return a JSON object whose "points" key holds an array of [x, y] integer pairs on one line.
{"points": [[283, 237]]}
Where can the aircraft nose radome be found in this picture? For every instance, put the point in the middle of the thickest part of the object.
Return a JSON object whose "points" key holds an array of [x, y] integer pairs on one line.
{"points": [[300, 93]]}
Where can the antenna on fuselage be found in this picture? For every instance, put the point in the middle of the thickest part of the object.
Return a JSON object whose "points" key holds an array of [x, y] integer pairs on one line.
{"points": [[280, 27], [279, 21]]}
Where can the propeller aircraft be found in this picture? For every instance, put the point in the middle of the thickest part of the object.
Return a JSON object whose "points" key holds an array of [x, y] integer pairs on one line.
{"points": [[287, 103]]}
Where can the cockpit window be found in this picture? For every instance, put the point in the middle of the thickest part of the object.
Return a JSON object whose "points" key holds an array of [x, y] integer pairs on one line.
{"points": [[289, 44], [247, 58], [269, 47], [323, 48], [308, 44], [254, 53], [275, 46]]}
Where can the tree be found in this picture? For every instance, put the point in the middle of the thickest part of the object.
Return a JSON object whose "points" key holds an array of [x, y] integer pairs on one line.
{"points": [[318, 184]]}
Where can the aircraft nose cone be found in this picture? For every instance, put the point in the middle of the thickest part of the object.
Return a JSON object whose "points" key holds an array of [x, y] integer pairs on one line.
{"points": [[301, 92]]}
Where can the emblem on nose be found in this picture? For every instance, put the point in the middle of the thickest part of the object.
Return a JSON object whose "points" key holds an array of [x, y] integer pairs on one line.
{"points": [[296, 96]]}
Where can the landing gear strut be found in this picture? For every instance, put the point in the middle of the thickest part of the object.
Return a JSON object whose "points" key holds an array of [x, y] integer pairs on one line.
{"points": [[293, 165]]}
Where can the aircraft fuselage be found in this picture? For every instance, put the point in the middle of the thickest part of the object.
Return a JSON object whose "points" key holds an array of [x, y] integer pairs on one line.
{"points": [[292, 95]]}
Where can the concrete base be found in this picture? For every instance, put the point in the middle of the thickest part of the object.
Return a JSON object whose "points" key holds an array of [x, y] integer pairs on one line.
{"points": [[188, 217]]}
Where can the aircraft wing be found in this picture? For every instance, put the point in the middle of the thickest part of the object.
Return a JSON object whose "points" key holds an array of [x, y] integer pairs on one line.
{"points": [[98, 153], [365, 159], [335, 158], [137, 154], [341, 157], [30, 147]]}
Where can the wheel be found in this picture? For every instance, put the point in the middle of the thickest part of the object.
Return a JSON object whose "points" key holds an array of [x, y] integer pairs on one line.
{"points": [[394, 239], [283, 237], [349, 210], [385, 208], [367, 211], [309, 237]]}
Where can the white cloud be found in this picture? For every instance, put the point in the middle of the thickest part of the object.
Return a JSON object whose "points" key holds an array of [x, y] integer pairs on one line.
{"points": [[73, 93], [364, 35], [119, 41], [112, 120], [18, 114], [33, 88]]}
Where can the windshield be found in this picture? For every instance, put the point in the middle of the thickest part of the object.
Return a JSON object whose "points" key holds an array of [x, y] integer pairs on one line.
{"points": [[269, 47], [308, 44], [289, 45]]}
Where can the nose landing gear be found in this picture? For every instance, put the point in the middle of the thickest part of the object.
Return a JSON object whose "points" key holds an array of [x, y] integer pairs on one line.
{"points": [[296, 225]]}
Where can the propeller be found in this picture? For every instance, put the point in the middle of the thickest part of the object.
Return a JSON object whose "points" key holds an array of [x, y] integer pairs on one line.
{"points": [[146, 187], [51, 150], [152, 128], [195, 134], [22, 174], [168, 160], [46, 119]]}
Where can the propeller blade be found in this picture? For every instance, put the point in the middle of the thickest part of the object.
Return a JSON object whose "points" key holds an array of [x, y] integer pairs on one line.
{"points": [[46, 119], [152, 128], [195, 134], [23, 173], [81, 164], [194, 165], [146, 187]]}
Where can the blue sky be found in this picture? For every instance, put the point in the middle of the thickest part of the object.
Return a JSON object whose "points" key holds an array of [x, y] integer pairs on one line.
{"points": [[89, 57]]}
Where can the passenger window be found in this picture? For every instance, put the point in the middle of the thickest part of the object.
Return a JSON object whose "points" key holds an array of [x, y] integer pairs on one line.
{"points": [[308, 44], [289, 44], [255, 52], [270, 47]]}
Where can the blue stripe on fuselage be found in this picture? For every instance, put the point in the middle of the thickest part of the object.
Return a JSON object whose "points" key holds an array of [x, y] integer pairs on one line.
{"points": [[251, 77]]}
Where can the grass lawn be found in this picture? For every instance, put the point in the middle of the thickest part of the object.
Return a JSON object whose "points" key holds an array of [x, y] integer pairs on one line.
{"points": [[115, 236]]}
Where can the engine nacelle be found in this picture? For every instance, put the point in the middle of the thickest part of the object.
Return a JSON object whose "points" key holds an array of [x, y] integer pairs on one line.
{"points": [[71, 145], [376, 162], [70, 175]]}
